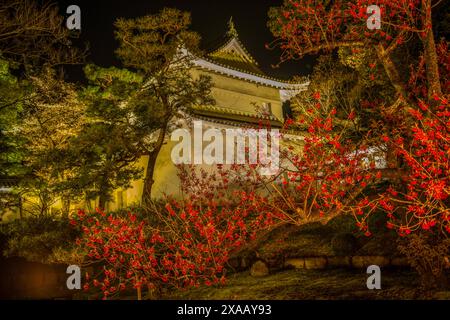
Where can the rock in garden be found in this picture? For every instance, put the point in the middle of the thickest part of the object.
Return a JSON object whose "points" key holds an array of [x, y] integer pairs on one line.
{"points": [[336, 262], [297, 263], [259, 269], [315, 263], [365, 261]]}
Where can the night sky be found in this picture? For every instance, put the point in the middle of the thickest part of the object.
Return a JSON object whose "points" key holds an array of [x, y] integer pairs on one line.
{"points": [[209, 19]]}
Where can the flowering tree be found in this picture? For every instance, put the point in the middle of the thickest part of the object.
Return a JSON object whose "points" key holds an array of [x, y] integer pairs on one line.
{"points": [[307, 26], [52, 116], [427, 180], [224, 184], [421, 202], [316, 26], [418, 201], [327, 174]]}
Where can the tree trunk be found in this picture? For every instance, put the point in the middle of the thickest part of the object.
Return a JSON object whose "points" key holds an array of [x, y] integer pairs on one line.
{"points": [[105, 187], [20, 207], [65, 206], [392, 72], [139, 293], [87, 203], [103, 194], [431, 60], [102, 201], [149, 181]]}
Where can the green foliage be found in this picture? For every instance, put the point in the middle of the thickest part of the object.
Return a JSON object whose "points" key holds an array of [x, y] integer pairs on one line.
{"points": [[11, 95], [37, 238], [51, 117], [37, 110], [106, 149], [83, 145], [152, 46], [150, 43]]}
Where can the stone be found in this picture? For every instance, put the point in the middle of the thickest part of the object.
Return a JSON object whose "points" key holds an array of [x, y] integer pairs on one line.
{"points": [[365, 261], [315, 263], [447, 262], [336, 262], [297, 263], [259, 269]]}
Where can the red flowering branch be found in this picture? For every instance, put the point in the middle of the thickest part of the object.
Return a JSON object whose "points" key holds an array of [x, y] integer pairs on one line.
{"points": [[421, 200], [185, 245], [424, 201], [326, 174], [314, 26]]}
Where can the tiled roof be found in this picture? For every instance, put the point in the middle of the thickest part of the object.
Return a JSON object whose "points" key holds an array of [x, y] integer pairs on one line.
{"points": [[228, 70], [227, 114], [232, 54]]}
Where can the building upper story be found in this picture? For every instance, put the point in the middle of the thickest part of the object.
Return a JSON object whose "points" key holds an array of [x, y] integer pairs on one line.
{"points": [[244, 94]]}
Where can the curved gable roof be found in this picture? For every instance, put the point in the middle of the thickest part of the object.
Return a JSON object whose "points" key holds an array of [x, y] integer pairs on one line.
{"points": [[232, 53]]}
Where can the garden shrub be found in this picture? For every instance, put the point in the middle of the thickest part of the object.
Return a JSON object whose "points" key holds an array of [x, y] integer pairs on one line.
{"points": [[41, 238], [185, 246], [427, 254]]}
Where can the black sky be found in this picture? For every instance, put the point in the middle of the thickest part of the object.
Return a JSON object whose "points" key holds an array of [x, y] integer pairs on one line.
{"points": [[209, 19]]}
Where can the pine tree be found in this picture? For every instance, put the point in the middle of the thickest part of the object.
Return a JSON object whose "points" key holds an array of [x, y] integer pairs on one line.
{"points": [[105, 152], [151, 46]]}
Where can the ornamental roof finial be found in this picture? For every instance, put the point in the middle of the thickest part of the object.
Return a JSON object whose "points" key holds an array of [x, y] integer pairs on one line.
{"points": [[231, 28]]}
